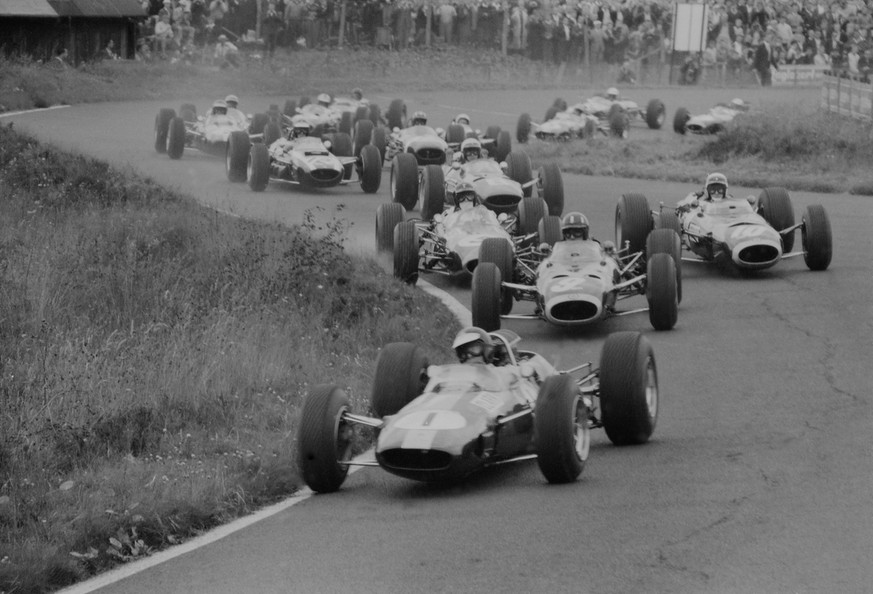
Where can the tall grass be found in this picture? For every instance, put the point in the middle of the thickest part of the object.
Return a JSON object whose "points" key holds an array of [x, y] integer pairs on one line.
{"points": [[153, 355]]}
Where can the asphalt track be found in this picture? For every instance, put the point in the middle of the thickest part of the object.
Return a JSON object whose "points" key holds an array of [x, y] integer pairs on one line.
{"points": [[759, 477]]}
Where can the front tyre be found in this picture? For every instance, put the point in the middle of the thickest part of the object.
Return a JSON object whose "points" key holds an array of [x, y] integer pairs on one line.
{"points": [[486, 296], [628, 388], [774, 204], [388, 216], [401, 375], [404, 180], [563, 437], [661, 291], [258, 172], [371, 169], [680, 120], [176, 138], [656, 113], [237, 156], [522, 128], [552, 188], [633, 221], [162, 128], [406, 252], [324, 439], [815, 235]]}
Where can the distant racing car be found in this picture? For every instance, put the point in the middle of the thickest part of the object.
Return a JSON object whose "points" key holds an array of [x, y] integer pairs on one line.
{"points": [[711, 122], [209, 134], [441, 423]]}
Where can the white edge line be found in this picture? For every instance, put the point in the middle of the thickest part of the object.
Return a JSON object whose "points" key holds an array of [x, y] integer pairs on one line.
{"points": [[7, 114], [124, 571]]}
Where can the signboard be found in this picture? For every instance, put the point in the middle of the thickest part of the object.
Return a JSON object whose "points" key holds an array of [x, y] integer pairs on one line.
{"points": [[798, 75], [689, 27], [847, 97]]}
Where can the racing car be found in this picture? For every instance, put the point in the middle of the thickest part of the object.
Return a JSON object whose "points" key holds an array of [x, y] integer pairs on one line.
{"points": [[173, 134], [497, 142], [576, 281], [441, 423], [711, 122], [307, 161], [749, 233], [332, 114]]}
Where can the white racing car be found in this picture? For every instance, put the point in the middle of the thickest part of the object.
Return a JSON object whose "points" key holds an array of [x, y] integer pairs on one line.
{"points": [[208, 134], [711, 122]]}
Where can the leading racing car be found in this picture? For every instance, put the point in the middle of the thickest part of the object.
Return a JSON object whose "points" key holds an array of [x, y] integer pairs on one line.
{"points": [[208, 134], [440, 423]]}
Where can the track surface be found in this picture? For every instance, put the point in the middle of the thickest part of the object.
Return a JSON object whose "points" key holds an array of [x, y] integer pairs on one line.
{"points": [[759, 477]]}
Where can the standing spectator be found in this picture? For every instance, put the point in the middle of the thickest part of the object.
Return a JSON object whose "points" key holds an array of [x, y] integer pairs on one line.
{"points": [[109, 50], [762, 62], [563, 34], [217, 11], [164, 34], [62, 58], [759, 15], [271, 25], [226, 53], [447, 14], [293, 22], [865, 64], [404, 24], [852, 59], [744, 13]]}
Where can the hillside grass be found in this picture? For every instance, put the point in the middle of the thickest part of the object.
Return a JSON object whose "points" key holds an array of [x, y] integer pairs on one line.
{"points": [[154, 356]]}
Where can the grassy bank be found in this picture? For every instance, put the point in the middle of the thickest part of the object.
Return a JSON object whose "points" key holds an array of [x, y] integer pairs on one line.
{"points": [[815, 152], [154, 354]]}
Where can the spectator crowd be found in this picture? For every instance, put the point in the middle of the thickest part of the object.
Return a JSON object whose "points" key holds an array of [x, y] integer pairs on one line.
{"points": [[624, 35]]}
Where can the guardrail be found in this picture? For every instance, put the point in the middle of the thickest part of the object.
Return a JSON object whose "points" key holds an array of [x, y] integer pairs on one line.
{"points": [[847, 97], [798, 75]]}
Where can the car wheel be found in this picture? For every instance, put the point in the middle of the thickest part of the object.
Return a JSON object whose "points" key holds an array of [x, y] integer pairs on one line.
{"points": [[406, 252], [396, 114], [549, 230], [401, 375], [379, 139], [486, 299], [259, 120], [363, 135], [455, 134], [629, 399], [551, 188], [176, 138], [432, 191], [375, 114], [774, 205], [345, 125], [666, 241], [388, 216], [590, 129], [237, 156], [522, 128], [551, 112], [499, 252], [680, 119], [563, 436], [258, 168], [656, 113], [324, 439], [618, 121], [371, 169], [290, 108], [404, 180], [188, 112], [661, 291], [530, 211], [668, 219], [633, 221], [272, 133], [519, 169], [816, 239], [162, 128], [503, 146]]}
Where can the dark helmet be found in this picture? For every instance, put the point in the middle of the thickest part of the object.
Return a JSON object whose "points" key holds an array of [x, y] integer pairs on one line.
{"points": [[465, 194], [357, 93], [419, 118], [473, 342], [716, 183], [471, 149], [574, 225]]}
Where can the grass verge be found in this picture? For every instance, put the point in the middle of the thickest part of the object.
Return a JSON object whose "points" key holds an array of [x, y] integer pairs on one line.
{"points": [[154, 354]]}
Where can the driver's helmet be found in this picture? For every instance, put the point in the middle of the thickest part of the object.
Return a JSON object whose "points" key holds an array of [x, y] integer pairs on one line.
{"points": [[574, 225], [357, 94], [323, 100], [473, 345], [219, 107], [465, 196], [612, 94], [471, 148], [738, 103], [419, 118], [232, 101], [463, 119], [716, 186], [300, 127]]}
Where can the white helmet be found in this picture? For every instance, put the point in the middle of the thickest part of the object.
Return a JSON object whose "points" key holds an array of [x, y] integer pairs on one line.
{"points": [[462, 118], [219, 107], [471, 147], [612, 93], [232, 99], [323, 99], [716, 182], [473, 342]]}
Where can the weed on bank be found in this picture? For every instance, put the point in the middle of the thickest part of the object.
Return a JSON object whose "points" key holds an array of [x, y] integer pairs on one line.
{"points": [[153, 355]]}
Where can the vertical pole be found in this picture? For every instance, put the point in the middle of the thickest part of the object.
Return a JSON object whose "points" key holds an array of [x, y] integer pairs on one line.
{"points": [[342, 24]]}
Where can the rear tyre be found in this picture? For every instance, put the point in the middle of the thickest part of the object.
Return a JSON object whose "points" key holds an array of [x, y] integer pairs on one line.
{"points": [[486, 301], [666, 241], [272, 133], [363, 135], [680, 119], [455, 134], [290, 108], [345, 125], [668, 219], [188, 112], [259, 167], [661, 291], [656, 113], [371, 169], [324, 439], [401, 375], [237, 157], [499, 252], [618, 121], [396, 114], [815, 236], [406, 252], [590, 129], [259, 120], [162, 128], [361, 113], [563, 437], [551, 112], [550, 230], [519, 169], [503, 146], [522, 128], [628, 388], [176, 138], [551, 187], [379, 139], [388, 216], [633, 221], [404, 180], [530, 212], [375, 114], [432, 191], [774, 205]]}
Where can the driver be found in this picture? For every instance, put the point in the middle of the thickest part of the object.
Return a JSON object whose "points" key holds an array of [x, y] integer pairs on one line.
{"points": [[574, 225], [462, 119], [474, 346], [715, 187], [419, 118], [357, 94], [465, 197], [471, 149], [323, 100], [612, 94], [299, 128], [218, 112], [233, 110]]}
